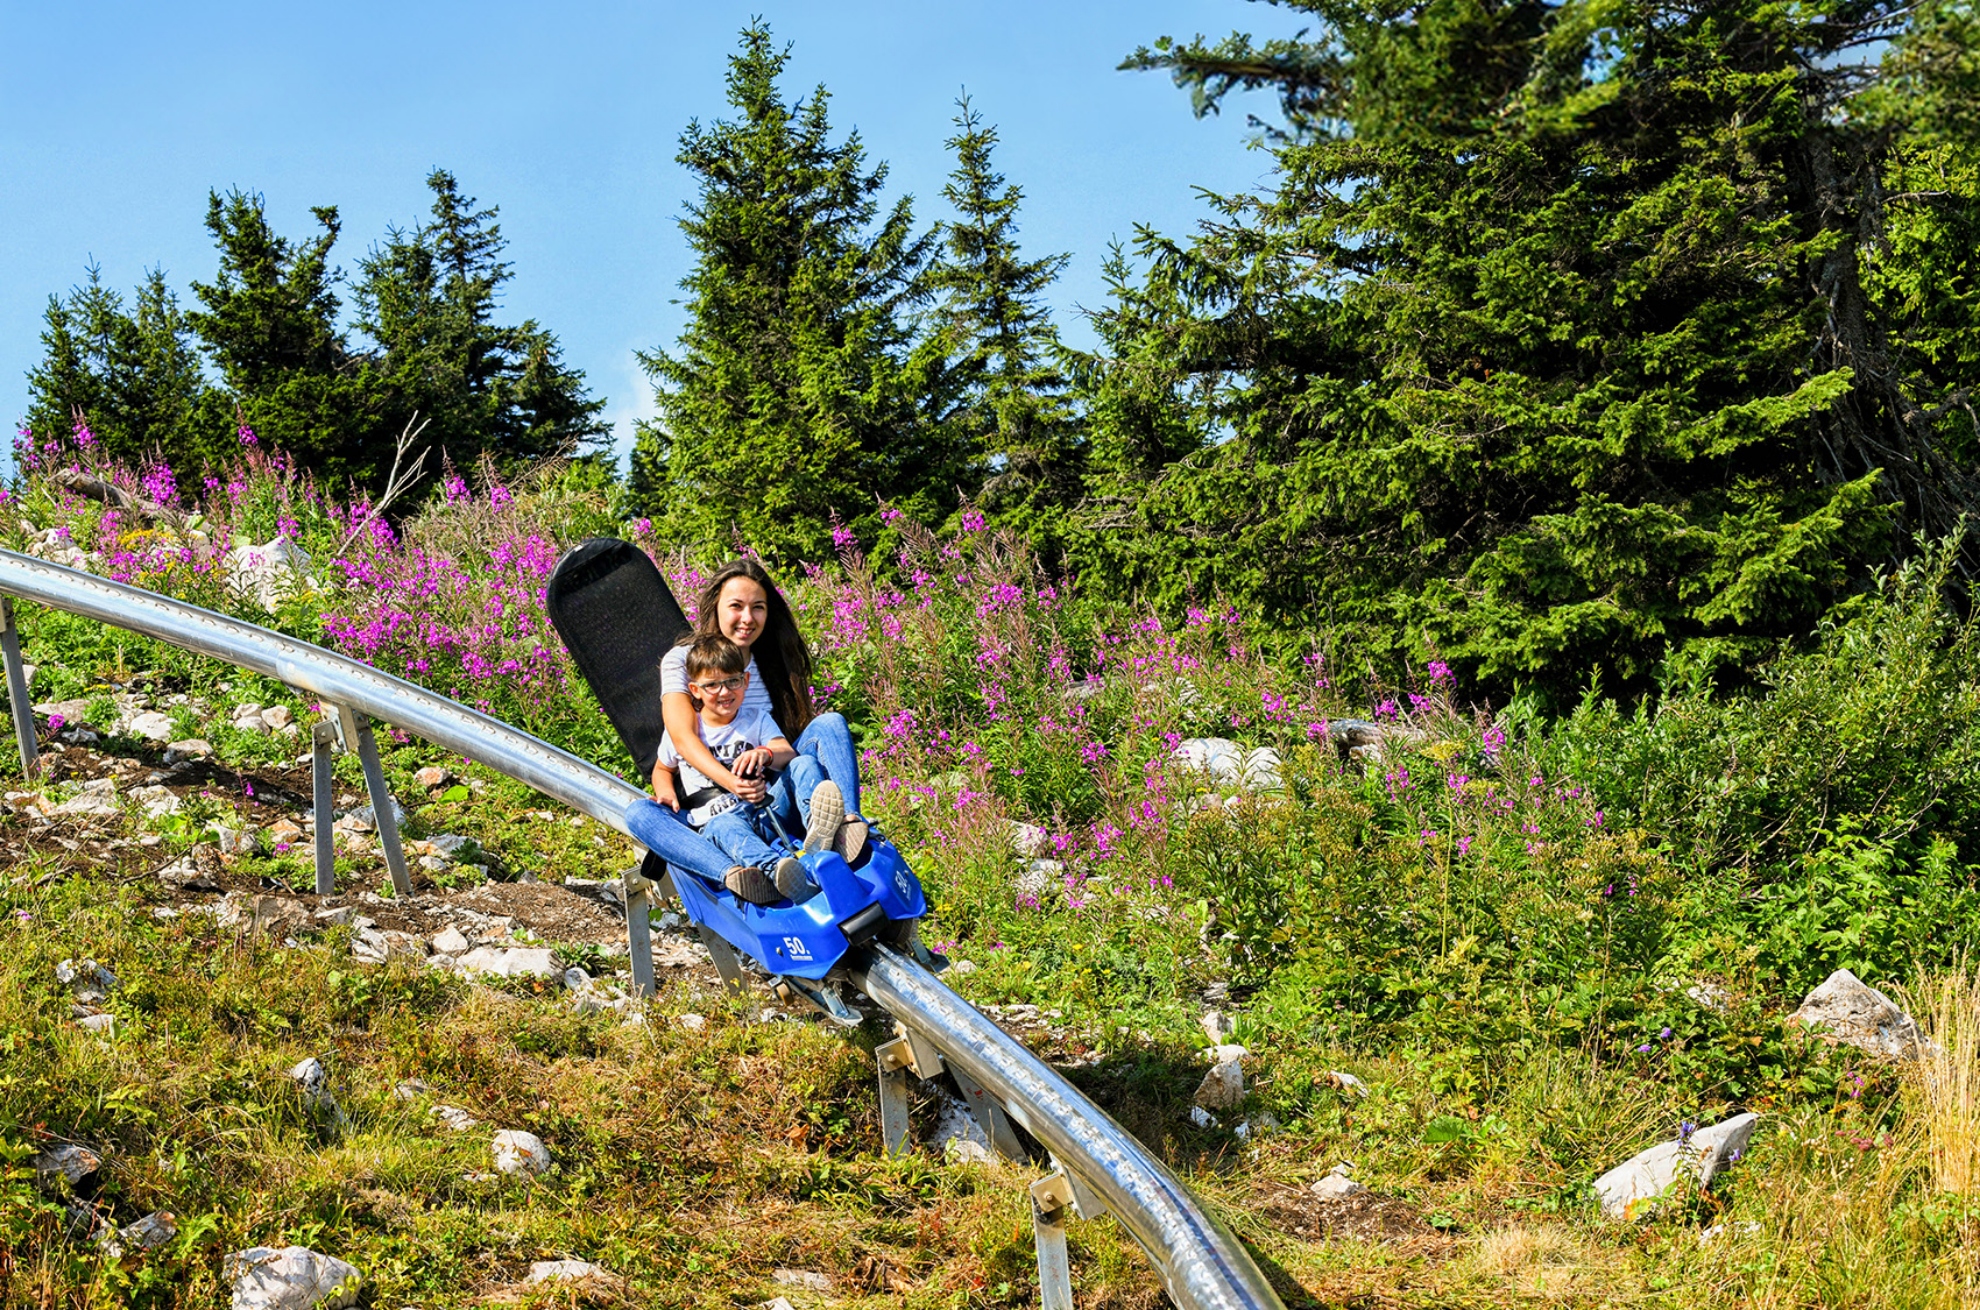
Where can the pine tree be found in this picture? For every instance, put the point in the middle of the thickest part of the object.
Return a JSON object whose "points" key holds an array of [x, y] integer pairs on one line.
{"points": [[1566, 336], [799, 389], [1004, 347], [270, 325], [133, 376], [427, 298]]}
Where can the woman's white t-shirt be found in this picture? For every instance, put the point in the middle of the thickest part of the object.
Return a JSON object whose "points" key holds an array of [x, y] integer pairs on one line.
{"points": [[673, 678]]}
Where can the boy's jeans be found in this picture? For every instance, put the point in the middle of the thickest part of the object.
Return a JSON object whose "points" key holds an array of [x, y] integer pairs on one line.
{"points": [[736, 833]]}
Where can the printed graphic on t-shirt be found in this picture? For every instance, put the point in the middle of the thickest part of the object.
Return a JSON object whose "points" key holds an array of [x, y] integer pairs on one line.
{"points": [[727, 742]]}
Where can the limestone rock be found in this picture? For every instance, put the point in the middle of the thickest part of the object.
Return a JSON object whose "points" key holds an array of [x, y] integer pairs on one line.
{"points": [[450, 941], [157, 801], [1856, 1014], [103, 1025], [805, 1278], [277, 717], [1223, 1087], [694, 1023], [291, 1278], [1337, 1185], [151, 725], [155, 1229], [564, 1271], [520, 1153], [1030, 841], [269, 572], [379, 945], [1631, 1189], [958, 1136], [433, 776], [67, 1167], [98, 796], [511, 962], [1218, 1026], [87, 981], [454, 1117]]}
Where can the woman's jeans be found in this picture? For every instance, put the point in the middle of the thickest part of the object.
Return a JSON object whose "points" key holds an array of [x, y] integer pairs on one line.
{"points": [[828, 740]]}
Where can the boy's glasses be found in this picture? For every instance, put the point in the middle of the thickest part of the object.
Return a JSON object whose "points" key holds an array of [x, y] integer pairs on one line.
{"points": [[724, 685]]}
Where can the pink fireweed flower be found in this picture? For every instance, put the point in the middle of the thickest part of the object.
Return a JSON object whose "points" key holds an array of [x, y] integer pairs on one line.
{"points": [[843, 538], [1492, 742], [973, 521], [1387, 709], [247, 435], [1440, 673]]}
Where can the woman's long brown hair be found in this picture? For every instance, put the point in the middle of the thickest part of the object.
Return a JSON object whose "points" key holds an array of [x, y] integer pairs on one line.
{"points": [[780, 653]]}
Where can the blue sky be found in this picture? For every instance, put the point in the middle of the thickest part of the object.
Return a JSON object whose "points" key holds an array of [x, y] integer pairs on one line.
{"points": [[118, 118]]}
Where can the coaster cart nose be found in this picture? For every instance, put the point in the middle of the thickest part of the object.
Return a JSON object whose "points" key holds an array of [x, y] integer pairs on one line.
{"points": [[880, 899]]}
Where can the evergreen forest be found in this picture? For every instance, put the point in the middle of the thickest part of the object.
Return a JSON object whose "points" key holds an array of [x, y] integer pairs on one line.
{"points": [[1566, 342]]}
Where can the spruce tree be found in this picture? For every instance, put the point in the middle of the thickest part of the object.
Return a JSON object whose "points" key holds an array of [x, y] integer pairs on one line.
{"points": [[1004, 347], [133, 376], [427, 298], [1565, 336], [798, 390], [270, 325]]}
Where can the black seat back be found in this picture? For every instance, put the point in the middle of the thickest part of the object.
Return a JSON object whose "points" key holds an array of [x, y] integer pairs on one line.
{"points": [[617, 618]]}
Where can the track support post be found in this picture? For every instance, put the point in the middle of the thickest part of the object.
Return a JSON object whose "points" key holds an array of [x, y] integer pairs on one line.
{"points": [[896, 1127], [323, 785], [1051, 1206], [639, 898], [17, 692], [358, 737]]}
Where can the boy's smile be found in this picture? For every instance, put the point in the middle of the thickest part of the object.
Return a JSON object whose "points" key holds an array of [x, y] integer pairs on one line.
{"points": [[720, 696]]}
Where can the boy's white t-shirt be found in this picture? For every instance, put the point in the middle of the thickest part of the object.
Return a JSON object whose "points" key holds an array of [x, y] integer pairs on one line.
{"points": [[674, 678], [726, 742]]}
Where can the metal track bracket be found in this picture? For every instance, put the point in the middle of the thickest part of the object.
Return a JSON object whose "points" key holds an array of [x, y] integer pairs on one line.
{"points": [[323, 784]]}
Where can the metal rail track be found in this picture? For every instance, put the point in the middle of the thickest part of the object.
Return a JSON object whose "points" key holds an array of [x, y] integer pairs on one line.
{"points": [[1103, 1167]]}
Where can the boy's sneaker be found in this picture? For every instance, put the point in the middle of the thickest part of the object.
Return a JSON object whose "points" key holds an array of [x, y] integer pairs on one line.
{"points": [[828, 811], [851, 840], [793, 881], [752, 884]]}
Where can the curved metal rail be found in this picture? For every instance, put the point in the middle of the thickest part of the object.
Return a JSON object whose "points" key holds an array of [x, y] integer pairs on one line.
{"points": [[1202, 1265]]}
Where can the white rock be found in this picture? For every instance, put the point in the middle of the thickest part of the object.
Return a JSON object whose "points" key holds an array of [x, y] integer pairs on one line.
{"points": [[778, 1303], [432, 776], [409, 1089], [251, 723], [1335, 1187], [1038, 877], [455, 1118], [1218, 1026], [450, 843], [1223, 1087], [1030, 841], [151, 725], [450, 941], [378, 945], [1857, 1014], [343, 916], [1225, 1054], [1630, 1190], [1220, 759], [155, 1229], [278, 717], [292, 1278], [511, 962], [576, 980], [98, 796], [157, 802], [1262, 770], [267, 572], [104, 1025], [958, 1136], [192, 748], [69, 1162], [804, 1278], [1347, 1082], [314, 1079], [560, 1271], [694, 1023], [518, 1152], [1201, 1117]]}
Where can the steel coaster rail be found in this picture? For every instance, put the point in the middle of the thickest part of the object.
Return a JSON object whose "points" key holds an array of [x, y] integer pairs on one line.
{"points": [[1202, 1265]]}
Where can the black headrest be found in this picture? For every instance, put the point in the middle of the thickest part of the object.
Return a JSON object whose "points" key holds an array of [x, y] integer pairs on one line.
{"points": [[617, 618]]}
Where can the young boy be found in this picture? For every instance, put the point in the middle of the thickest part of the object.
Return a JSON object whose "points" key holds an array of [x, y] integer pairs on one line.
{"points": [[749, 744]]}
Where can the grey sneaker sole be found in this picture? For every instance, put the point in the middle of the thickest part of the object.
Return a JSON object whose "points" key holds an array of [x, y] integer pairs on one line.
{"points": [[751, 884], [851, 840], [792, 880], [828, 811]]}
